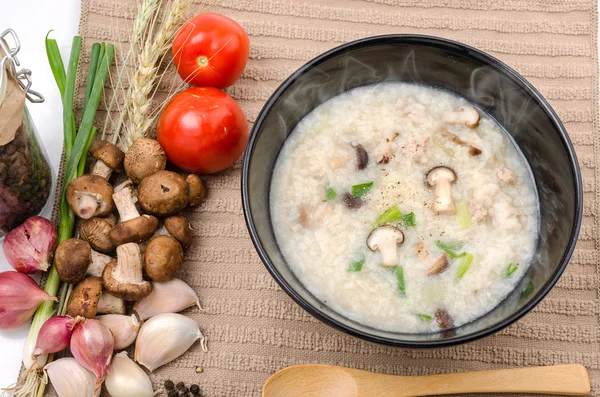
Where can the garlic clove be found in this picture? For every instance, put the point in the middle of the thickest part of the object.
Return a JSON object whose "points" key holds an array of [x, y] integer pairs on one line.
{"points": [[28, 247], [20, 296], [123, 328], [167, 297], [70, 379], [165, 337], [92, 346], [126, 379]]}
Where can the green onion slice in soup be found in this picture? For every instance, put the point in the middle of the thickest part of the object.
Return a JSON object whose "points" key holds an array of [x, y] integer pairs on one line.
{"points": [[361, 189]]}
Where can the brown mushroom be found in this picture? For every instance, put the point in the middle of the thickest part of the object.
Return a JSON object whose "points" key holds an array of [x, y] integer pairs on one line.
{"points": [[109, 304], [178, 227], [473, 151], [123, 278], [438, 266], [163, 193], [443, 319], [85, 297], [144, 157], [72, 258], [196, 189], [90, 195], [441, 179], [362, 157], [162, 258], [96, 232], [351, 201], [109, 157], [386, 240], [133, 227]]}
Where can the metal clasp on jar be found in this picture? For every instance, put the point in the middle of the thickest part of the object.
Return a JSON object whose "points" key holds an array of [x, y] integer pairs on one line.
{"points": [[10, 46]]}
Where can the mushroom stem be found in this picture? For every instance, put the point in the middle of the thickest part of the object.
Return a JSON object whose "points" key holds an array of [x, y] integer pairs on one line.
{"points": [[101, 169], [125, 203], [443, 203], [109, 304], [98, 263], [88, 203], [389, 254], [129, 259]]}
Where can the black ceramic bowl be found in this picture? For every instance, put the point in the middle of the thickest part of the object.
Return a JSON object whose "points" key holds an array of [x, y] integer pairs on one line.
{"points": [[462, 70]]}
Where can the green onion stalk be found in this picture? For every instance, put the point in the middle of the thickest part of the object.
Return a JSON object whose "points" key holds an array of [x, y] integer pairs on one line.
{"points": [[76, 145]]}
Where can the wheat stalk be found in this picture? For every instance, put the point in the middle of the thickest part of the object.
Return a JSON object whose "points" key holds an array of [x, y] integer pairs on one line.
{"points": [[142, 85], [145, 12]]}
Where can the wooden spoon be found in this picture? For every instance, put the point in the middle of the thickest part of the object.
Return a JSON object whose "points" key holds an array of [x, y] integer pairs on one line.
{"points": [[316, 380]]}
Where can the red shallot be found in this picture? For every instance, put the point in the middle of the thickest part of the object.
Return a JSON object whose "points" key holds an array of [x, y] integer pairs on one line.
{"points": [[55, 335], [28, 247], [92, 346], [19, 297]]}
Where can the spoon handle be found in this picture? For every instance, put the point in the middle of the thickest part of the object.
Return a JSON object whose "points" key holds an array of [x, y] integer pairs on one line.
{"points": [[570, 379]]}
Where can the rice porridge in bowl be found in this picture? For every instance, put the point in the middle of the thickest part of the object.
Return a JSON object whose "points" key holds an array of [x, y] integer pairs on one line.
{"points": [[404, 208]]}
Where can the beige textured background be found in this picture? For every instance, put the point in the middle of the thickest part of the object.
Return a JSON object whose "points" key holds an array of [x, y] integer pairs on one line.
{"points": [[253, 328]]}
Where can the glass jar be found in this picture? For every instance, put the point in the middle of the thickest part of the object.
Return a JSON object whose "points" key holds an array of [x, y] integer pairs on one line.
{"points": [[25, 176]]}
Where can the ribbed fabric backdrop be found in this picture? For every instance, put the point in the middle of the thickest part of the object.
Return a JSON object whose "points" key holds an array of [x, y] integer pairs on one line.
{"points": [[253, 328]]}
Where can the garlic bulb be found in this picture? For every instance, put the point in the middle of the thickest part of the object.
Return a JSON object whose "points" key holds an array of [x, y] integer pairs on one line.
{"points": [[124, 328], [70, 379], [167, 297], [126, 379], [165, 337]]}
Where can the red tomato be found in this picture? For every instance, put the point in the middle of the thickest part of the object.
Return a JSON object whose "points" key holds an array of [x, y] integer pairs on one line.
{"points": [[211, 50], [203, 130]]}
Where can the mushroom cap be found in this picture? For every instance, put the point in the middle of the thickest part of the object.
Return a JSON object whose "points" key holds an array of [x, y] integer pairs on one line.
{"points": [[143, 158], [162, 258], [440, 173], [180, 228], [163, 193], [362, 157], [469, 115], [384, 234], [96, 232], [196, 189], [85, 297], [72, 258], [438, 266], [90, 186], [108, 153], [124, 289], [136, 230]]}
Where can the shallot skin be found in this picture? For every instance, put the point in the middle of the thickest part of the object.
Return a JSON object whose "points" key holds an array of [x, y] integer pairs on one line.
{"points": [[28, 247], [20, 296], [92, 346]]}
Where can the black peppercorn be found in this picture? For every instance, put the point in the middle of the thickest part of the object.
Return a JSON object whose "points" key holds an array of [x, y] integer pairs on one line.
{"points": [[180, 385], [172, 393], [195, 389], [184, 390], [169, 385], [184, 394]]}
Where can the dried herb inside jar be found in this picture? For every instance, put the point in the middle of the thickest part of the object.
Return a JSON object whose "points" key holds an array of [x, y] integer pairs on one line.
{"points": [[25, 178]]}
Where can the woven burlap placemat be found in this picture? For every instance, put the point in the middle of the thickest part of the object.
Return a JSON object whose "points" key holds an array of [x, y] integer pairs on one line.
{"points": [[252, 326]]}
